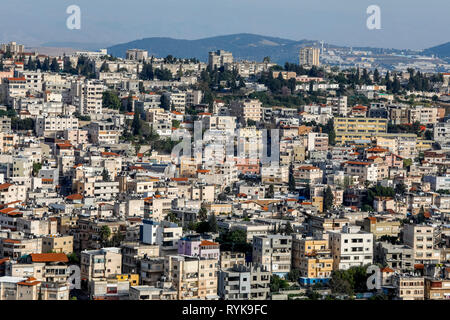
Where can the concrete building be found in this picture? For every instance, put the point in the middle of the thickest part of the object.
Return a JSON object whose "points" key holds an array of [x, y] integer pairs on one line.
{"points": [[137, 54], [410, 287], [273, 252], [398, 257], [164, 233], [421, 239], [351, 247], [313, 258], [101, 263], [219, 58], [87, 96], [309, 56], [244, 282], [192, 277], [46, 126]]}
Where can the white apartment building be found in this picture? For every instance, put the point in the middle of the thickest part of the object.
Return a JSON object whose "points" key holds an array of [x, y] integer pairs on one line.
{"points": [[309, 56], [248, 109], [219, 58], [87, 96], [421, 239], [137, 54], [100, 263], [350, 247], [46, 125], [339, 105], [273, 252], [164, 233]]}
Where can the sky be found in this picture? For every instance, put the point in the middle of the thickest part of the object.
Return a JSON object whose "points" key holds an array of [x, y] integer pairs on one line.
{"points": [[405, 24]]}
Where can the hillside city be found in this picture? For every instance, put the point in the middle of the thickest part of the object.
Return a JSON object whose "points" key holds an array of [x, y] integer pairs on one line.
{"points": [[146, 178]]}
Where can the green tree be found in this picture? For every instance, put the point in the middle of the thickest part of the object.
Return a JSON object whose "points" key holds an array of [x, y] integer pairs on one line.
{"points": [[36, 167], [104, 233], [73, 258], [420, 217], [270, 192], [136, 125], [291, 184], [111, 100], [288, 229], [202, 214], [276, 283], [31, 65], [54, 67], [104, 67], [294, 275], [400, 188], [212, 222], [407, 163], [328, 199], [175, 123], [46, 64], [105, 175], [376, 76]]}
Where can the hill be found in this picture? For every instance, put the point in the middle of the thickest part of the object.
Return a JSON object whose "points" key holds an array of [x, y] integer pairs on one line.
{"points": [[441, 51], [243, 46]]}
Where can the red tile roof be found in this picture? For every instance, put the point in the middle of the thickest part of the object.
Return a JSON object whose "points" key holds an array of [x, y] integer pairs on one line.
{"points": [[5, 186], [208, 243], [49, 257], [75, 196]]}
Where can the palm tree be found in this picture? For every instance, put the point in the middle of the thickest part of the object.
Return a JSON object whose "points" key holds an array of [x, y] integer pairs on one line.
{"points": [[104, 233]]}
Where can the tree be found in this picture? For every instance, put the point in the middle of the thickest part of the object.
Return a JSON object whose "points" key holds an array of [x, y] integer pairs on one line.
{"points": [[130, 103], [276, 283], [270, 192], [291, 185], [288, 229], [212, 222], [136, 125], [400, 188], [104, 233], [328, 199], [175, 123], [376, 76], [147, 72], [36, 167], [46, 64], [163, 74], [111, 100], [420, 218], [31, 64], [349, 281], [294, 275], [54, 67], [104, 67], [407, 163], [105, 175], [202, 214], [73, 258], [396, 85]]}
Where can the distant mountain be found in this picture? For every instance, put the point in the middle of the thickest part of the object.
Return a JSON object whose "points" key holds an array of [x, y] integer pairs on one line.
{"points": [[76, 45], [441, 51], [243, 46]]}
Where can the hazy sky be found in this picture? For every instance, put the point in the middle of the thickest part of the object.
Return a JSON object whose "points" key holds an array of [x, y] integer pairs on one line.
{"points": [[413, 24]]}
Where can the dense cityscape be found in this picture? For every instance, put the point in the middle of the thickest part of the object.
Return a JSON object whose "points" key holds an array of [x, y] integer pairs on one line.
{"points": [[167, 178]]}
